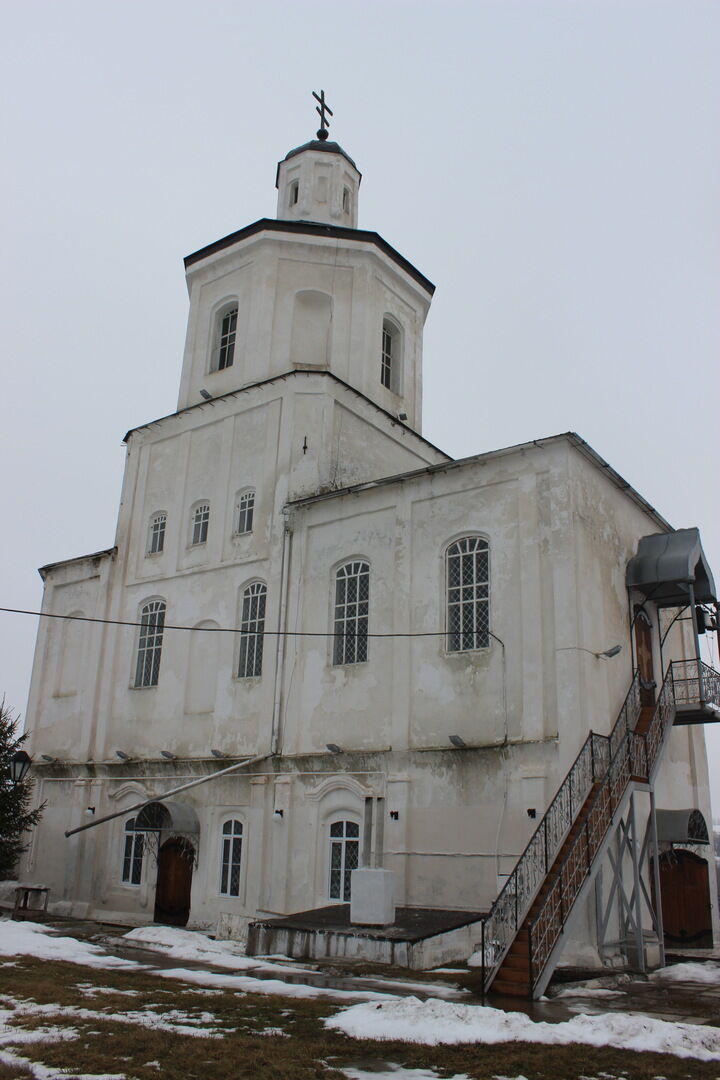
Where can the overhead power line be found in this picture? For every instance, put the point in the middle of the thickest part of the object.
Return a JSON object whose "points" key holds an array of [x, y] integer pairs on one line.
{"points": [[229, 629]]}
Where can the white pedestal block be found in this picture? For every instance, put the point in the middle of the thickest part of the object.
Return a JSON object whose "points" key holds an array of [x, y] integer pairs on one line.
{"points": [[372, 897]]}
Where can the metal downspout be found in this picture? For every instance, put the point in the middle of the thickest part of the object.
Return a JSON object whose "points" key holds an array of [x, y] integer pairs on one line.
{"points": [[696, 636], [166, 794], [280, 648]]}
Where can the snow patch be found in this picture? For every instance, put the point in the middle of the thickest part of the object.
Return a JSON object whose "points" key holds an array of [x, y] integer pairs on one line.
{"points": [[32, 939], [440, 1022]]}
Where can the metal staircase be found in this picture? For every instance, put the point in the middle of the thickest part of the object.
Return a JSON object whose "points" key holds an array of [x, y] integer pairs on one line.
{"points": [[524, 931]]}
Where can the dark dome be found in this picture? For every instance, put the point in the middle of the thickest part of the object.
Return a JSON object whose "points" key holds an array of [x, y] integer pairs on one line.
{"points": [[325, 147]]}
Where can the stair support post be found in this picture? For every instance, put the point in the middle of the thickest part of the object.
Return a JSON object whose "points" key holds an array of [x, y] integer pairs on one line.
{"points": [[639, 944], [656, 877]]}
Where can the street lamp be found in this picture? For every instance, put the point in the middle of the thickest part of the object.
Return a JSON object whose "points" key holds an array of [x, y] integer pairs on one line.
{"points": [[20, 762]]}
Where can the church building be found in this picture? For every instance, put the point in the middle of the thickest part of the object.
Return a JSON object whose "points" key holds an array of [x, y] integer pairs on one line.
{"points": [[478, 678]]}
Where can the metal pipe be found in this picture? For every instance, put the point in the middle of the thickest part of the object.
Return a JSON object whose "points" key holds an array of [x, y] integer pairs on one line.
{"points": [[165, 794], [696, 636]]}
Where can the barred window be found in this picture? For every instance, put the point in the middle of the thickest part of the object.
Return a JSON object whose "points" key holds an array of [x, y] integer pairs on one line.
{"points": [[152, 625], [244, 510], [252, 630], [156, 536], [468, 594], [344, 857], [390, 356], [230, 858], [200, 524], [226, 333], [352, 603], [132, 854]]}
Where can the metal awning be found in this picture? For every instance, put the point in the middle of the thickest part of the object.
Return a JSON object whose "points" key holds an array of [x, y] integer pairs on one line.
{"points": [[667, 565], [168, 817], [681, 827]]}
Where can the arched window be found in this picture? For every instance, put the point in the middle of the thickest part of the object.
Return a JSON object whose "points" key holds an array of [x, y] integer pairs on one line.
{"points": [[244, 510], [252, 630], [199, 524], [294, 192], [230, 858], [156, 533], [352, 604], [344, 857], [346, 200], [152, 625], [132, 854], [390, 355], [225, 334], [468, 594]]}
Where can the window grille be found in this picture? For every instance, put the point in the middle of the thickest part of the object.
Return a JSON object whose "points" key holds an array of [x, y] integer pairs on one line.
{"points": [[344, 857], [352, 603], [244, 510], [230, 858], [152, 625], [468, 594], [226, 347], [200, 524], [252, 630], [133, 854], [156, 540], [390, 357]]}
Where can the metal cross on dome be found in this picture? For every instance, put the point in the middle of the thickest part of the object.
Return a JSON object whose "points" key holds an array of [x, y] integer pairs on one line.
{"points": [[321, 108]]}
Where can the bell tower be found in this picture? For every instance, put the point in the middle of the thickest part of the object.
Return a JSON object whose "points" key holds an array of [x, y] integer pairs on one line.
{"points": [[308, 291], [318, 181]]}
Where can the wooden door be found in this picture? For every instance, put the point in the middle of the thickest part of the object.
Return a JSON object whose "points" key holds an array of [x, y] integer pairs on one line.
{"points": [[685, 894], [174, 883], [644, 649]]}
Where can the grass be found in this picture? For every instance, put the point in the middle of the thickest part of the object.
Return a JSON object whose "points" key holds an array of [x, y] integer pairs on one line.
{"points": [[104, 1045]]}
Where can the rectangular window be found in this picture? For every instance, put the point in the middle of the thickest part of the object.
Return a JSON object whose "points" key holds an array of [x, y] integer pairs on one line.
{"points": [[228, 331], [252, 630], [231, 858], [386, 359], [244, 512], [352, 605], [468, 595], [157, 534], [132, 858], [200, 524], [152, 626]]}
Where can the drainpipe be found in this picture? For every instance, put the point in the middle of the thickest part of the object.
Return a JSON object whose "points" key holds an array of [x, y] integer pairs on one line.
{"points": [[696, 636], [282, 616], [166, 794]]}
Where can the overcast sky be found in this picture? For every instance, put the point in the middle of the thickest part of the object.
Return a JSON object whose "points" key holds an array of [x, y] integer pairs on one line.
{"points": [[554, 168]]}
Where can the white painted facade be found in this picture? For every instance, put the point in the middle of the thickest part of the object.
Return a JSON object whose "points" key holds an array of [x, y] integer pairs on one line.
{"points": [[306, 419]]}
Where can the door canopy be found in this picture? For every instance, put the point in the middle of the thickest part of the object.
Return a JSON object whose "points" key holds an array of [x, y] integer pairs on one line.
{"points": [[667, 564], [168, 818], [681, 827]]}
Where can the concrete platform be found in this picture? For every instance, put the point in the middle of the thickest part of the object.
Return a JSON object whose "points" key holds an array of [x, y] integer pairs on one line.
{"points": [[420, 938]]}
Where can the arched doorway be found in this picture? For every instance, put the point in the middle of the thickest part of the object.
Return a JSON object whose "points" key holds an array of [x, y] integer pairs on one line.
{"points": [[685, 896], [172, 833], [174, 882]]}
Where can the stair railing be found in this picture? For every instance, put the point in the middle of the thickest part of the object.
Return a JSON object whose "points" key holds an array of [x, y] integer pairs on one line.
{"points": [[502, 922], [635, 758]]}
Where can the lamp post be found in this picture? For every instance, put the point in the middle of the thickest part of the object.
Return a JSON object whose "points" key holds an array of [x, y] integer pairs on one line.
{"points": [[20, 762]]}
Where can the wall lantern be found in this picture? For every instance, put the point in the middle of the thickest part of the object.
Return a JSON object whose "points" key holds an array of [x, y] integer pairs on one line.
{"points": [[20, 762]]}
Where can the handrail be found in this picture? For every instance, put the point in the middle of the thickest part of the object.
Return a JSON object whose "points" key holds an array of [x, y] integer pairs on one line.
{"points": [[502, 922], [635, 757]]}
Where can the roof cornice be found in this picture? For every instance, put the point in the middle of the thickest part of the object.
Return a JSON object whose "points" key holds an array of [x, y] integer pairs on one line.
{"points": [[294, 372], [312, 228]]}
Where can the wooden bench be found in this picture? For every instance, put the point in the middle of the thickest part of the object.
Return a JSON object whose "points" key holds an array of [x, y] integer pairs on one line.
{"points": [[23, 895]]}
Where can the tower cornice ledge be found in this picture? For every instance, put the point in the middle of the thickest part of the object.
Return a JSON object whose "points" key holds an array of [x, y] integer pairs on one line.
{"points": [[312, 228]]}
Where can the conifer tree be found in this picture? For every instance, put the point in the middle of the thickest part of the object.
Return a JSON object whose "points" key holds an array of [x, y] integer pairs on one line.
{"points": [[16, 817]]}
